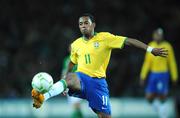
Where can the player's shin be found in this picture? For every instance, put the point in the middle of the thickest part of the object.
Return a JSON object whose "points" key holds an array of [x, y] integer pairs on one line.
{"points": [[56, 89], [163, 109], [156, 105]]}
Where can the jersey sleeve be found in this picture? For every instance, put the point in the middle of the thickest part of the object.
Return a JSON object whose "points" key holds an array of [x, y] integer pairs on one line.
{"points": [[146, 66], [73, 56], [172, 64], [115, 41]]}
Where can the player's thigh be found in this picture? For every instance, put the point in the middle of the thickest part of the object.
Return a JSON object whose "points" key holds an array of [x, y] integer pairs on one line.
{"points": [[103, 115], [163, 86], [151, 85], [97, 94], [73, 81], [151, 89]]}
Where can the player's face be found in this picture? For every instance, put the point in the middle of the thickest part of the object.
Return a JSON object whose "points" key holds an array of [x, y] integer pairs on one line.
{"points": [[85, 25], [157, 36]]}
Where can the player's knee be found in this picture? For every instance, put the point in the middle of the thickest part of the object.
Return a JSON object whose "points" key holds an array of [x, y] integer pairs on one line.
{"points": [[162, 98], [150, 98], [70, 79]]}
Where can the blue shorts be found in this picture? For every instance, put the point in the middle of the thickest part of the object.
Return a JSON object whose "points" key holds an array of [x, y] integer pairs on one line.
{"points": [[95, 91], [158, 83]]}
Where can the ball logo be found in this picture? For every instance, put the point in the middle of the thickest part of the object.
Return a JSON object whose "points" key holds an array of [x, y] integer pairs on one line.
{"points": [[96, 44]]}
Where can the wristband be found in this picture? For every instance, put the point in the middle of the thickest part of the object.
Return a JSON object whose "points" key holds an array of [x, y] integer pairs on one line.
{"points": [[149, 49]]}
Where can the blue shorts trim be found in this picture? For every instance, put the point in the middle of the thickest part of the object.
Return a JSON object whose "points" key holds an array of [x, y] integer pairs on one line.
{"points": [[95, 91], [158, 83]]}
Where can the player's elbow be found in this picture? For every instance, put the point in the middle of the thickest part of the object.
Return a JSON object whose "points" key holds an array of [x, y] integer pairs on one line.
{"points": [[129, 41]]}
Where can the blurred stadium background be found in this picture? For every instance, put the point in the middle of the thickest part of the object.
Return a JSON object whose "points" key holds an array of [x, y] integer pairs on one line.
{"points": [[34, 37]]}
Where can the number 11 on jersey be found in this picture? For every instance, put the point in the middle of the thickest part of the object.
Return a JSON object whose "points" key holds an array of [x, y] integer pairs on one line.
{"points": [[87, 58]]}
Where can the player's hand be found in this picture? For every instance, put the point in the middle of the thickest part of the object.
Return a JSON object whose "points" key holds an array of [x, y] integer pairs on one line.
{"points": [[160, 52], [142, 82], [38, 98], [65, 92]]}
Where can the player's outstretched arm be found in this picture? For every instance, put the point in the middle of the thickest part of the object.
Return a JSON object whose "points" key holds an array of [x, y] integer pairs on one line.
{"points": [[155, 51]]}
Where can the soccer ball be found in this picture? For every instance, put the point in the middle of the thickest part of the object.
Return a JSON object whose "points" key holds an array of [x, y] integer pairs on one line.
{"points": [[42, 82]]}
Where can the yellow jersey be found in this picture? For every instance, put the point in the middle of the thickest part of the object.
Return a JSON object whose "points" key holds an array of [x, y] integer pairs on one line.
{"points": [[92, 56], [160, 64]]}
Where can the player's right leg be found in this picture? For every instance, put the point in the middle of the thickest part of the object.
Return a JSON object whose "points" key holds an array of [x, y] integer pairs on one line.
{"points": [[71, 81], [151, 91]]}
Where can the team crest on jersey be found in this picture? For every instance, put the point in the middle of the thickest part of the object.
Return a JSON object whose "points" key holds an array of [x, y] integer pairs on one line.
{"points": [[96, 44]]}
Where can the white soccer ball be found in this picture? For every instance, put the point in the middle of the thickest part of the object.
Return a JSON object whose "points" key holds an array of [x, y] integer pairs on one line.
{"points": [[42, 82]]}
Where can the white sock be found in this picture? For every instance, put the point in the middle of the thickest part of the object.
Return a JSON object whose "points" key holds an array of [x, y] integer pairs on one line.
{"points": [[156, 104], [163, 111], [56, 89]]}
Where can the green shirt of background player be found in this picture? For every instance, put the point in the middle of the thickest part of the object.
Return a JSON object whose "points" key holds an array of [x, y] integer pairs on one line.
{"points": [[66, 62], [75, 102]]}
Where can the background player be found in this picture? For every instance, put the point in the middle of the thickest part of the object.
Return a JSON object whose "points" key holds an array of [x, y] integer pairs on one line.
{"points": [[160, 70], [92, 52], [73, 101]]}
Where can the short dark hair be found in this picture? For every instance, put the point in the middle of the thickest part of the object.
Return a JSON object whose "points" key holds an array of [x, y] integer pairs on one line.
{"points": [[88, 15]]}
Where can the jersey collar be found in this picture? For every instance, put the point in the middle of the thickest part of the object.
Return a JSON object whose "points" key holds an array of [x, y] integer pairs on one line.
{"points": [[84, 40]]}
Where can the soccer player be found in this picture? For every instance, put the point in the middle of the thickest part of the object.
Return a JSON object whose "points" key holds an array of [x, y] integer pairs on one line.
{"points": [[92, 52], [160, 70], [73, 101]]}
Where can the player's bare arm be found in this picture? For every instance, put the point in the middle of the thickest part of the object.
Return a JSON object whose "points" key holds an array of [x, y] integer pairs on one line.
{"points": [[155, 51]]}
